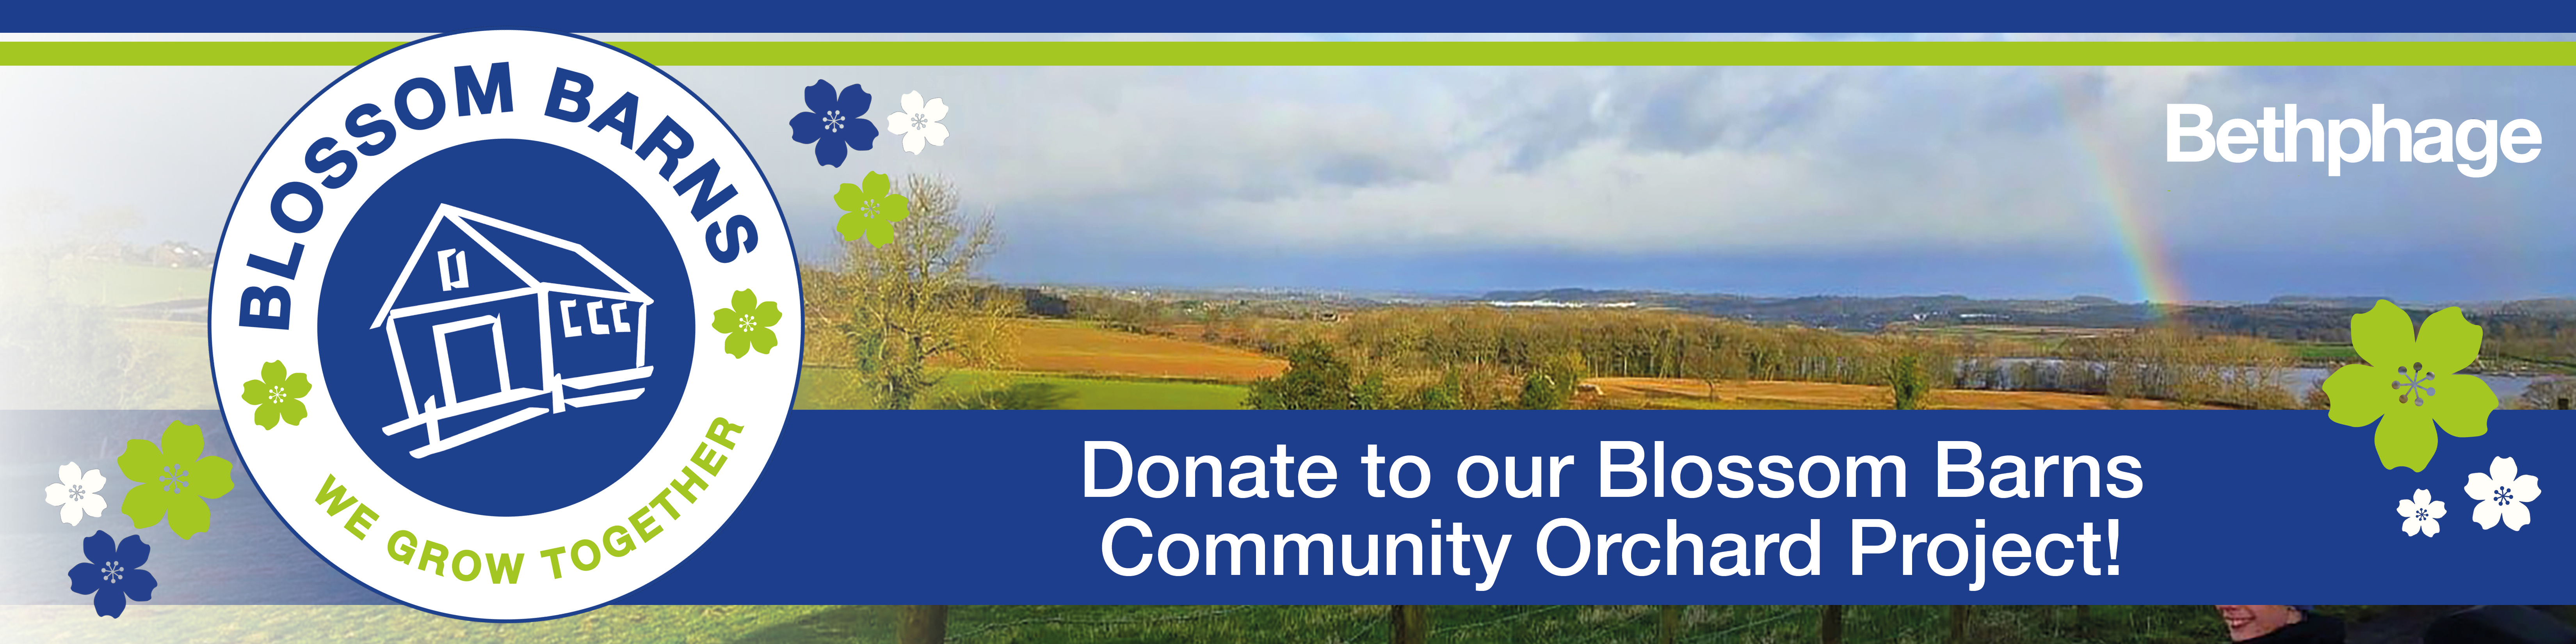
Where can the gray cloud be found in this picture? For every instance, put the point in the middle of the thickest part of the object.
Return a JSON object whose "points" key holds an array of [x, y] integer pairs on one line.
{"points": [[1082, 164]]}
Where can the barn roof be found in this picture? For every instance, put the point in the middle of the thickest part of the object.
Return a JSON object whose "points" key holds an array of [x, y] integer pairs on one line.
{"points": [[533, 259]]}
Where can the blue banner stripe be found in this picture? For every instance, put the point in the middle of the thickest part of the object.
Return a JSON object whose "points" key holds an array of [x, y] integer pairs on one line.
{"points": [[884, 508], [989, 508]]}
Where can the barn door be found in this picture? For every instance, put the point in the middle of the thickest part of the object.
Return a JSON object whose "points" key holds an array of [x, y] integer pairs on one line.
{"points": [[475, 362]]}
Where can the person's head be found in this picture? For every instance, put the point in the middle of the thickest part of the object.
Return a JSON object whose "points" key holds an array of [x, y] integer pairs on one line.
{"points": [[2249, 622]]}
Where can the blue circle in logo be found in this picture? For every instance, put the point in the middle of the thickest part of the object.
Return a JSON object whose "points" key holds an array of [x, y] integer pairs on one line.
{"points": [[506, 327]]}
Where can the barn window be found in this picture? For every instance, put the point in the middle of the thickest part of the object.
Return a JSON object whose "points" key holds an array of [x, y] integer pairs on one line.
{"points": [[571, 329], [451, 270]]}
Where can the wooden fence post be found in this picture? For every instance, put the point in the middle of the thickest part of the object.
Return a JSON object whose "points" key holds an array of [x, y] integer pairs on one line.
{"points": [[1958, 625], [1412, 624], [2084, 621], [1830, 628], [1669, 623], [921, 624]]}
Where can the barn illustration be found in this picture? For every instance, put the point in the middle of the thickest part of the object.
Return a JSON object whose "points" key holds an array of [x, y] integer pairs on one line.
{"points": [[492, 324]]}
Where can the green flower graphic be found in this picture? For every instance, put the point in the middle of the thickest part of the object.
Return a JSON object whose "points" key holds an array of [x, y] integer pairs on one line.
{"points": [[2412, 383], [275, 393], [873, 209], [174, 480], [746, 325]]}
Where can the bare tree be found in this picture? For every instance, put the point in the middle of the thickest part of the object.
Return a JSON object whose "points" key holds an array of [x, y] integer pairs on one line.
{"points": [[912, 310]]}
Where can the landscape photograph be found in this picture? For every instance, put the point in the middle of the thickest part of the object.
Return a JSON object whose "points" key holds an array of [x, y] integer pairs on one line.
{"points": [[1512, 238], [1141, 349]]}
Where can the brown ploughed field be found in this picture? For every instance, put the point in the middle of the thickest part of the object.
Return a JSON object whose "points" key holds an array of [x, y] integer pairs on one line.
{"points": [[1079, 348]]}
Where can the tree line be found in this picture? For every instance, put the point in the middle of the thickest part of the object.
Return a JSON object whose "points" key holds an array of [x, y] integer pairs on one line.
{"points": [[1483, 357]]}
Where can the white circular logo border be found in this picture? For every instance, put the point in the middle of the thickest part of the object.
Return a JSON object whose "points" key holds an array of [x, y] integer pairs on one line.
{"points": [[291, 462]]}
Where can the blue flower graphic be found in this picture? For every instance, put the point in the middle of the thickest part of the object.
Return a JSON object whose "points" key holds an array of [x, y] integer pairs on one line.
{"points": [[835, 121], [114, 572]]}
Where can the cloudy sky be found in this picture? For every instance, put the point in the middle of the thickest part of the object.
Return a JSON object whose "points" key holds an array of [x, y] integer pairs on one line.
{"points": [[2044, 182]]}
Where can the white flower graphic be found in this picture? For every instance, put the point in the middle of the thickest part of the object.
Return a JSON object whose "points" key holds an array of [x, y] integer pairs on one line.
{"points": [[2501, 494], [78, 493], [2420, 513], [919, 122]]}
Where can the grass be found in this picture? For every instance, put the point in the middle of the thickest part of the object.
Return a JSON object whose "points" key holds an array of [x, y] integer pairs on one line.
{"points": [[1126, 624], [93, 283], [400, 624], [822, 386]]}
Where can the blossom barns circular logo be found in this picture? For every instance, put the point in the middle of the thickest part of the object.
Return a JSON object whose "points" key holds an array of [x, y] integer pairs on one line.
{"points": [[508, 336]]}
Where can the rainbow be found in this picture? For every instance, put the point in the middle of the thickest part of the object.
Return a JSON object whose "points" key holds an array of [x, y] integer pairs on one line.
{"points": [[2142, 245]]}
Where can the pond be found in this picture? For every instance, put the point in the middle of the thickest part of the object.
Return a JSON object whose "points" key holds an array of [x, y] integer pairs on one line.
{"points": [[2298, 380]]}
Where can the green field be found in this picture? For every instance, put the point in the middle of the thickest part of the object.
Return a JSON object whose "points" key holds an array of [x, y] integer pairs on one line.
{"points": [[1124, 624], [90, 283], [399, 624], [822, 387]]}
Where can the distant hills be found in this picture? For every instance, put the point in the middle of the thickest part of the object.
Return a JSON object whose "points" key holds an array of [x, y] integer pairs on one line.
{"points": [[2311, 318], [2292, 317]]}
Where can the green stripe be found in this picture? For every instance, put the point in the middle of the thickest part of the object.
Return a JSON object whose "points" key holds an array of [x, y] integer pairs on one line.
{"points": [[341, 54]]}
